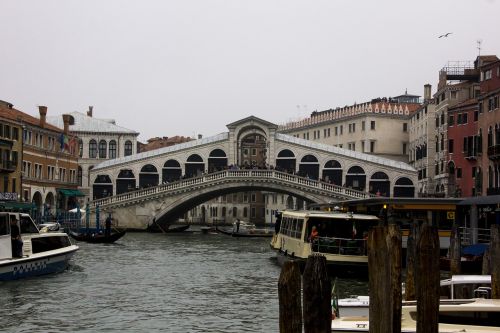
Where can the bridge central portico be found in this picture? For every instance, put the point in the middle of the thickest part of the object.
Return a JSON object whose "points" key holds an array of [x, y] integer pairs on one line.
{"points": [[166, 182]]}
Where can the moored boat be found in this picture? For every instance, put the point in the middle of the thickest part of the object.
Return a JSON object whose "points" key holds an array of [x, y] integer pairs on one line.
{"points": [[469, 315], [39, 253], [341, 238], [97, 237]]}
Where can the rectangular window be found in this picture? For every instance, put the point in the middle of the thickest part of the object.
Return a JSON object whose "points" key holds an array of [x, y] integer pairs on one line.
{"points": [[453, 95], [464, 118], [450, 145], [254, 197], [405, 127], [459, 172], [363, 125], [328, 131], [341, 129], [487, 74], [459, 119], [372, 124], [254, 152], [372, 146], [15, 133], [354, 127], [336, 131], [404, 148], [252, 211], [451, 120], [476, 115]]}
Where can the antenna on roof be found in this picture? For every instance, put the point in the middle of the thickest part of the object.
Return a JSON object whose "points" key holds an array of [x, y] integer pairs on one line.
{"points": [[479, 41]]}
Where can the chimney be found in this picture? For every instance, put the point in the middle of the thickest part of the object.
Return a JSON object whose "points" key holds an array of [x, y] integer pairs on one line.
{"points": [[43, 115], [89, 112], [427, 92], [66, 118]]}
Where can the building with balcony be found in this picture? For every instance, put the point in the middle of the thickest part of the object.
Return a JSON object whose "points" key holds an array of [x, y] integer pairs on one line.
{"points": [[11, 150], [49, 161], [379, 127]]}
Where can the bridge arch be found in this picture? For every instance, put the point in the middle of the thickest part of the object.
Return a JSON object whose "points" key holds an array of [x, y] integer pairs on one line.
{"points": [[380, 184], [356, 178], [125, 181], [194, 166], [148, 176], [285, 161], [103, 187], [309, 167], [217, 160], [404, 187], [332, 172], [171, 171]]}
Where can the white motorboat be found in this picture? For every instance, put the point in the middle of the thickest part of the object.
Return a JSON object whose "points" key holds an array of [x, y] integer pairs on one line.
{"points": [[477, 315], [40, 253]]}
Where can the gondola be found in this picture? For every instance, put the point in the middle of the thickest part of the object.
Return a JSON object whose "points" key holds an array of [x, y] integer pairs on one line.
{"points": [[253, 233], [96, 238]]}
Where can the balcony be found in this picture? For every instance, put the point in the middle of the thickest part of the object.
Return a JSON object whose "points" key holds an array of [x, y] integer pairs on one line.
{"points": [[7, 166], [494, 152]]}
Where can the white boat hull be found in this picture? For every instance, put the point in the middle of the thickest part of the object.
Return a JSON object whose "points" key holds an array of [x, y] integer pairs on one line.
{"points": [[48, 262]]}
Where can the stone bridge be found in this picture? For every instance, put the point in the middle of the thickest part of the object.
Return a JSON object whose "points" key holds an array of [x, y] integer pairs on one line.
{"points": [[167, 202], [252, 155]]}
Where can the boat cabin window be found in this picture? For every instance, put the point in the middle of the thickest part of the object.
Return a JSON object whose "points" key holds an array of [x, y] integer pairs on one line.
{"points": [[4, 225], [42, 244], [349, 228], [27, 225], [291, 226]]}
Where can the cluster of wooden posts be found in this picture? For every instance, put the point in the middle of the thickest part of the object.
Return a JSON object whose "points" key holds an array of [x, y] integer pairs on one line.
{"points": [[385, 277]]}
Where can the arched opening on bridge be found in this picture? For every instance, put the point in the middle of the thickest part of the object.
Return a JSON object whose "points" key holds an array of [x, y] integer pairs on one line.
{"points": [[356, 178], [125, 182], [285, 161], [194, 166], [171, 171], [37, 200], [253, 151], [217, 161], [380, 184], [148, 176], [103, 187], [404, 188], [309, 167], [332, 172]]}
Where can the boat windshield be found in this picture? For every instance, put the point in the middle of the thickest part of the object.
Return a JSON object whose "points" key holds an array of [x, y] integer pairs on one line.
{"points": [[27, 225]]}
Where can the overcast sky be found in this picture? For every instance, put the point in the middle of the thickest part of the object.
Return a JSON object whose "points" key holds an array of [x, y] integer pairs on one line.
{"points": [[189, 67]]}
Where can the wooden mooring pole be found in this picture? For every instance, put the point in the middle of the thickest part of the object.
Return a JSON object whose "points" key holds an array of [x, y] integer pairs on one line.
{"points": [[411, 252], [427, 281], [289, 285], [317, 294], [495, 261], [384, 266], [455, 251]]}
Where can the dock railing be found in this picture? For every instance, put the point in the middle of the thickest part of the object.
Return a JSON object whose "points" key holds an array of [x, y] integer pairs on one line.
{"points": [[471, 236]]}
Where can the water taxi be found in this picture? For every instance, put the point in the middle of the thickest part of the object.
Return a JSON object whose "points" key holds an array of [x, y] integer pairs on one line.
{"points": [[341, 238], [25, 251]]}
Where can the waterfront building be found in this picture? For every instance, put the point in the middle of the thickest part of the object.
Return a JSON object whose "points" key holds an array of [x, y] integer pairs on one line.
{"points": [[10, 156], [99, 140], [421, 147], [379, 127], [489, 125], [49, 161]]}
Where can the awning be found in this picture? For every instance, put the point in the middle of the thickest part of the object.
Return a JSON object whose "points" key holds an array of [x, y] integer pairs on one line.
{"points": [[71, 193], [16, 206], [482, 200]]}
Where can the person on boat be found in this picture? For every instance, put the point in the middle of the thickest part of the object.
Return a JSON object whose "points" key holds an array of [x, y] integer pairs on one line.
{"points": [[314, 234], [16, 240], [107, 231], [237, 225]]}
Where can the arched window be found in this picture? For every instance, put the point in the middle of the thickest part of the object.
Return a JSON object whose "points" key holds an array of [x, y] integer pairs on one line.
{"points": [[102, 148], [80, 173], [112, 149], [80, 147], [92, 149], [128, 148]]}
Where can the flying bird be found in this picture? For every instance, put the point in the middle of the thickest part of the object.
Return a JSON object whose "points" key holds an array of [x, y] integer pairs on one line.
{"points": [[446, 34]]}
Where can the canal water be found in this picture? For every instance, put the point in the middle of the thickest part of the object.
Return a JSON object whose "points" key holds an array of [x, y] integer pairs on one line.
{"points": [[188, 282]]}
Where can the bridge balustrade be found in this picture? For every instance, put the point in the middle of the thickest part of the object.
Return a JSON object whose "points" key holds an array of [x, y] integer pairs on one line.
{"points": [[214, 177]]}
